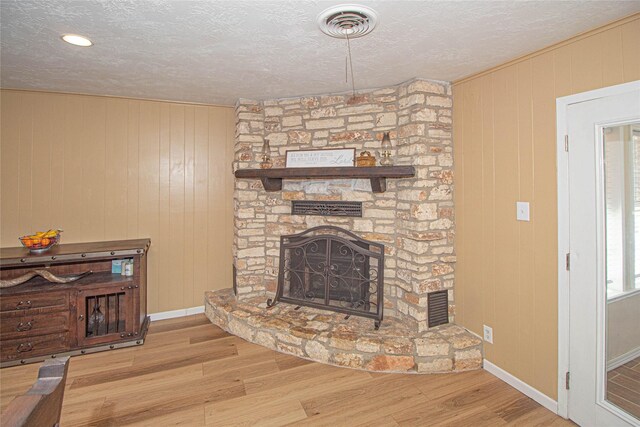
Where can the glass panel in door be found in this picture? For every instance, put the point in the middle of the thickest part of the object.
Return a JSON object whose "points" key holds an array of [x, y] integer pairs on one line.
{"points": [[622, 237]]}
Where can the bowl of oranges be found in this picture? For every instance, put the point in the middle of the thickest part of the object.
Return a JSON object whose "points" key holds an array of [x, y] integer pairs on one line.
{"points": [[41, 241]]}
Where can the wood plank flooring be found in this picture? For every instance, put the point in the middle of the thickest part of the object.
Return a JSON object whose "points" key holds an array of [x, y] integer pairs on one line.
{"points": [[623, 387], [192, 373]]}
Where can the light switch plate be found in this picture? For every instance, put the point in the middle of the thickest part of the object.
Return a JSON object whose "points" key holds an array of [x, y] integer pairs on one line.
{"points": [[522, 211]]}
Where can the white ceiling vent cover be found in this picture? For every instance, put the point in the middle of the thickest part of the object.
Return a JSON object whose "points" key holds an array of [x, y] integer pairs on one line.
{"points": [[347, 19]]}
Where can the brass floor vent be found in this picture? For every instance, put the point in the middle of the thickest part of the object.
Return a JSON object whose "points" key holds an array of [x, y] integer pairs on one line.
{"points": [[326, 208], [235, 283], [438, 308]]}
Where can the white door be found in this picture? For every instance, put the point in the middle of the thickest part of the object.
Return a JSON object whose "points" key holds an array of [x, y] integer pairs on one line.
{"points": [[586, 122]]}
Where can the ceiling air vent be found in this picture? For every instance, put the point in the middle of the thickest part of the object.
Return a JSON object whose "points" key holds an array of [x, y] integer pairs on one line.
{"points": [[347, 20]]}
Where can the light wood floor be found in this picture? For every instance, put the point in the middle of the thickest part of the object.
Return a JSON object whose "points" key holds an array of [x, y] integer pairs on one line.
{"points": [[190, 372], [623, 387]]}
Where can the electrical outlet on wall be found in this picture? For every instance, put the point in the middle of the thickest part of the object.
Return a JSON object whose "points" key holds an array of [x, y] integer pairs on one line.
{"points": [[488, 334]]}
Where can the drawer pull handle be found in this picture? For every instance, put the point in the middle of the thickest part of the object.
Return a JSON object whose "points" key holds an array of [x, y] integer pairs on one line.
{"points": [[24, 326], [23, 305], [24, 347]]}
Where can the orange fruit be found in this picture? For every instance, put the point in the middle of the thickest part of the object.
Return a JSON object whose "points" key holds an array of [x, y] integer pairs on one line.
{"points": [[45, 242]]}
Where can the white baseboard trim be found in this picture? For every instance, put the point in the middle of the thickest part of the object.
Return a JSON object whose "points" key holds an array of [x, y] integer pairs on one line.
{"points": [[176, 313], [623, 358], [521, 386]]}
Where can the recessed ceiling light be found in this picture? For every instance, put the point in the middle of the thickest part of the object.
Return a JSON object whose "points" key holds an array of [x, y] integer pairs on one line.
{"points": [[77, 40]]}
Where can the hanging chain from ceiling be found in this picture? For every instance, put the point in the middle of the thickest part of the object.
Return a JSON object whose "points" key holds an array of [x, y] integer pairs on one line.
{"points": [[350, 63]]}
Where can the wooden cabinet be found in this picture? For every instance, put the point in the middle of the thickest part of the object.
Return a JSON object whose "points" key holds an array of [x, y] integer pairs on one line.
{"points": [[101, 311]]}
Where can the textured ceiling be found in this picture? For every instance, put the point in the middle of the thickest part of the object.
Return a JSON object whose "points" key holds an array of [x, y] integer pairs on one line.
{"points": [[218, 51]]}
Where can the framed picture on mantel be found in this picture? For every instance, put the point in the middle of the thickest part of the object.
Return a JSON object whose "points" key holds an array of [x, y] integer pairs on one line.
{"points": [[335, 157]]}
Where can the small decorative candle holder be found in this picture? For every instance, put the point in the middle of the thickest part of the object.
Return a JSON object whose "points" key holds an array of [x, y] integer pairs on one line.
{"points": [[266, 155], [385, 153]]}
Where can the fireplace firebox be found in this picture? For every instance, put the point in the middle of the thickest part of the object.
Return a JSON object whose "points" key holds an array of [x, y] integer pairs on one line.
{"points": [[330, 268]]}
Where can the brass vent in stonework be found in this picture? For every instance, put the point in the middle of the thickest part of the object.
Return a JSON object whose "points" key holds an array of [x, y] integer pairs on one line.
{"points": [[326, 208], [235, 282], [438, 308]]}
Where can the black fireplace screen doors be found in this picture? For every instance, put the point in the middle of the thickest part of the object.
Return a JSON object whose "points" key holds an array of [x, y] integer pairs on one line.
{"points": [[331, 268]]}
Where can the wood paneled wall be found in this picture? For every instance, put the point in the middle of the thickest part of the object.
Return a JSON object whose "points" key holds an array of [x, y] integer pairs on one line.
{"points": [[504, 149], [110, 168]]}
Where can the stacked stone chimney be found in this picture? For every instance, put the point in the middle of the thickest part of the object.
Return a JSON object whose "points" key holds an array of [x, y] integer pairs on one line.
{"points": [[413, 218]]}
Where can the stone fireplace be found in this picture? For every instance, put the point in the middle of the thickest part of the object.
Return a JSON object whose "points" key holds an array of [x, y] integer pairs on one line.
{"points": [[413, 218], [330, 268]]}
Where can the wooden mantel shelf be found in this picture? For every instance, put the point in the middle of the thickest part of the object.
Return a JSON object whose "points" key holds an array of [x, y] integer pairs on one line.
{"points": [[272, 178]]}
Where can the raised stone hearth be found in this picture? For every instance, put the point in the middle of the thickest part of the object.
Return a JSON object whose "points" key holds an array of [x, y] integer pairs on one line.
{"points": [[413, 218], [326, 337]]}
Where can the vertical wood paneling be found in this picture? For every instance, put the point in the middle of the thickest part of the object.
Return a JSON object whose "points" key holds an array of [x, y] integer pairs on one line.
{"points": [[176, 202], [489, 214], [57, 140], [164, 206], [9, 167], [612, 65], [216, 185], [189, 189], [105, 168], [149, 189], [630, 49], [116, 152], [473, 196], [229, 179], [458, 200], [25, 160], [526, 163], [41, 163], [545, 301], [72, 170], [586, 65], [507, 181], [562, 69], [201, 194], [506, 266], [93, 168], [133, 167]]}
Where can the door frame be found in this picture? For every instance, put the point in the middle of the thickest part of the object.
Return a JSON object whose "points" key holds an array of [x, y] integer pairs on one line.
{"points": [[562, 165]]}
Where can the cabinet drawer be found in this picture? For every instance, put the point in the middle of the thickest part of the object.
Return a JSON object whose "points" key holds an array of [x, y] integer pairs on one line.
{"points": [[24, 348], [30, 304], [27, 326]]}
